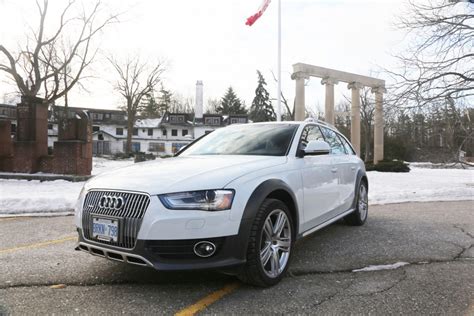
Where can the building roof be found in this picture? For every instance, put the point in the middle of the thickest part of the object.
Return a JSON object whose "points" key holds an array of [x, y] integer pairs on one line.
{"points": [[106, 133], [93, 110], [148, 123]]}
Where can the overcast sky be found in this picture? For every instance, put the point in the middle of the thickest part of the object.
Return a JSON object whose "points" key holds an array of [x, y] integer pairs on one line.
{"points": [[208, 40]]}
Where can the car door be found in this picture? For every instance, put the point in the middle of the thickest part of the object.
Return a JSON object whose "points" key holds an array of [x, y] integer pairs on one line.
{"points": [[341, 166], [320, 191], [351, 165]]}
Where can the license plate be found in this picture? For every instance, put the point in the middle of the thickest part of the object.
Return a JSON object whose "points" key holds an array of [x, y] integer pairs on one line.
{"points": [[105, 229]]}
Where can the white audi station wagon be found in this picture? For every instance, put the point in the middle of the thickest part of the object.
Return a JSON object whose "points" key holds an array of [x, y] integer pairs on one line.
{"points": [[236, 199]]}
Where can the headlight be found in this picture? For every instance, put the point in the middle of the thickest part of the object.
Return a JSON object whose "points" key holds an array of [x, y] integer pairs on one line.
{"points": [[208, 200]]}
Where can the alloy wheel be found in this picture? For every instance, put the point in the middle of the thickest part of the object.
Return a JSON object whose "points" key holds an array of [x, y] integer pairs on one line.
{"points": [[275, 243], [363, 202]]}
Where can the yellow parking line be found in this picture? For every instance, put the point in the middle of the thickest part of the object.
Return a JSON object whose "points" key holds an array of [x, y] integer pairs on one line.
{"points": [[38, 245], [7, 219], [208, 300]]}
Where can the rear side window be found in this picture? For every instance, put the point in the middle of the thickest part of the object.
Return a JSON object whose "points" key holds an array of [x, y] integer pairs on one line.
{"points": [[337, 148], [347, 146]]}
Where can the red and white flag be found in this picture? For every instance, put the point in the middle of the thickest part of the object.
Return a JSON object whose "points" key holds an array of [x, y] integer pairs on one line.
{"points": [[251, 20]]}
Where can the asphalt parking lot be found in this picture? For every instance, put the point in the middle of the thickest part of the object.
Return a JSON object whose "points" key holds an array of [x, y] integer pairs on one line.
{"points": [[40, 273]]}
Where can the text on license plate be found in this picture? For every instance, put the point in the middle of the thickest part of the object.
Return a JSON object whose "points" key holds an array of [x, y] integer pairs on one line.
{"points": [[105, 229]]}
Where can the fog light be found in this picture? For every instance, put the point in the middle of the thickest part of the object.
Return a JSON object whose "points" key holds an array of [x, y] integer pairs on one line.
{"points": [[204, 249]]}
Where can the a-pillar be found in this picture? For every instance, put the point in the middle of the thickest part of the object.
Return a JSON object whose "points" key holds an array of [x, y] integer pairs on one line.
{"points": [[355, 115], [300, 95], [378, 124], [329, 103]]}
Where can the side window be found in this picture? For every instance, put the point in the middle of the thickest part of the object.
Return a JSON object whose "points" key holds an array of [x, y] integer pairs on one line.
{"points": [[337, 148], [347, 146], [310, 132]]}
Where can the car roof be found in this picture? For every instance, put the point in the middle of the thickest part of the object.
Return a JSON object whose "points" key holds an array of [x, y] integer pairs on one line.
{"points": [[307, 121]]}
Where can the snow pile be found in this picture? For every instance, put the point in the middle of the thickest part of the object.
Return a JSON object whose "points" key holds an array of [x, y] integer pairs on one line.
{"points": [[382, 267], [420, 184], [25, 197], [431, 165]]}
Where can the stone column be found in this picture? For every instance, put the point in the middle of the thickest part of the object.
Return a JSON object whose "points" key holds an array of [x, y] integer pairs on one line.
{"points": [[355, 115], [329, 102], [32, 134], [300, 95], [32, 123], [378, 124], [6, 146]]}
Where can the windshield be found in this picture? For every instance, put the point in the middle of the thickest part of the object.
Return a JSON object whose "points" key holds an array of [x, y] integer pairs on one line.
{"points": [[249, 139]]}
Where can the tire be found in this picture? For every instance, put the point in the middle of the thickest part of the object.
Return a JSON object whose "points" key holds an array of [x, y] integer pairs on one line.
{"points": [[359, 216], [276, 249]]}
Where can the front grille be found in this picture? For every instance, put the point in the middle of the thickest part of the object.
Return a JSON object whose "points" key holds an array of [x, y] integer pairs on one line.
{"points": [[130, 215], [179, 249]]}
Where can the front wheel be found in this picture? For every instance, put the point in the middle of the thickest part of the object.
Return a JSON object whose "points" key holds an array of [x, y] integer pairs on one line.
{"points": [[359, 216], [270, 245]]}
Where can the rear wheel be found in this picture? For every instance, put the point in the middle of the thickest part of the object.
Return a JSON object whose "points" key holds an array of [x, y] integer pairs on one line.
{"points": [[359, 216], [270, 245]]}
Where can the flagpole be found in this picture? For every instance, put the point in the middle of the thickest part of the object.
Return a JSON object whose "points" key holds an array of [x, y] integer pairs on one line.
{"points": [[279, 63]]}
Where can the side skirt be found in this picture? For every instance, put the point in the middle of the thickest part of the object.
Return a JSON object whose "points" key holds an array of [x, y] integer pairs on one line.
{"points": [[326, 223]]}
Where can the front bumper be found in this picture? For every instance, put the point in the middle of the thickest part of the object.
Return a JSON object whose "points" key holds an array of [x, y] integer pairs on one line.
{"points": [[172, 255], [162, 238]]}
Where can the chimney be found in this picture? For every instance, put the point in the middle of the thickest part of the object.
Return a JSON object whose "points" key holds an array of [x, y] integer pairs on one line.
{"points": [[199, 100]]}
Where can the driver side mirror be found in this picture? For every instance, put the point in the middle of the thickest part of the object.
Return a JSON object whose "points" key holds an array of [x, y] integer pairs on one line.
{"points": [[316, 148]]}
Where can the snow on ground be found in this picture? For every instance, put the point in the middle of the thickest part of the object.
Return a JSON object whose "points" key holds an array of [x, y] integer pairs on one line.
{"points": [[382, 267], [421, 184], [22, 197], [26, 197]]}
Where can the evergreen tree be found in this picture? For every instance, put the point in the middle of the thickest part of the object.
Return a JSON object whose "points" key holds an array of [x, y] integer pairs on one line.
{"points": [[261, 109], [164, 101], [231, 104], [149, 107]]}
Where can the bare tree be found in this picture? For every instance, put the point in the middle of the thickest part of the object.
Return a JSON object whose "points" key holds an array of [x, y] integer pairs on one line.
{"points": [[212, 105], [439, 65], [367, 108], [135, 80], [182, 104], [51, 65], [342, 117]]}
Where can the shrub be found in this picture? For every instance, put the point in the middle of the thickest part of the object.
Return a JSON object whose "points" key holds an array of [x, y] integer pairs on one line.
{"points": [[141, 156], [397, 148], [388, 166], [122, 156]]}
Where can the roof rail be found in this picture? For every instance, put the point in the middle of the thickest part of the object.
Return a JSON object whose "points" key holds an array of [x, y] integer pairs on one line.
{"points": [[325, 123], [313, 120]]}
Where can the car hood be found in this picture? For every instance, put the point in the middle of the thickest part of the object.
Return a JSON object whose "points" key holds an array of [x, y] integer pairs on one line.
{"points": [[181, 173]]}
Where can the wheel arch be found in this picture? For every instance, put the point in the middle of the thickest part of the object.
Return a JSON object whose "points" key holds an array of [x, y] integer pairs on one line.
{"points": [[361, 177], [289, 201], [275, 189]]}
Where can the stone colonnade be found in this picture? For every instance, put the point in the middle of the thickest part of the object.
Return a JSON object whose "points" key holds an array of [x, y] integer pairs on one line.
{"points": [[331, 77]]}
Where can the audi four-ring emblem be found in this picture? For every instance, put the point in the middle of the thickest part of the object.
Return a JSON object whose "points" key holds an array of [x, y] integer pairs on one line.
{"points": [[111, 202]]}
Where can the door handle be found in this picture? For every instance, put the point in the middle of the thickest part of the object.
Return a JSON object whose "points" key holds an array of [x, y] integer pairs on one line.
{"points": [[334, 170], [353, 168]]}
